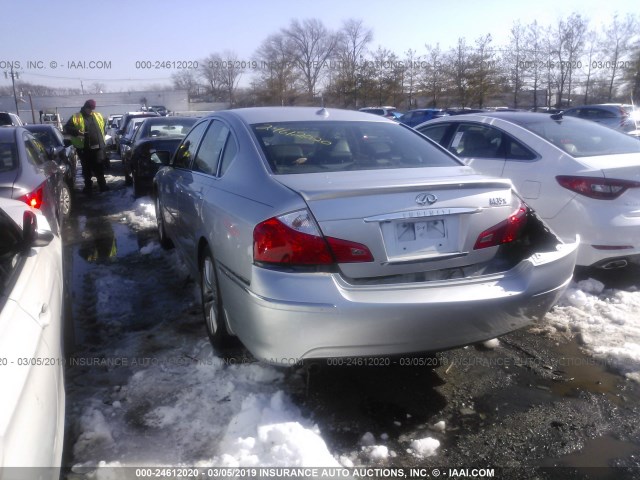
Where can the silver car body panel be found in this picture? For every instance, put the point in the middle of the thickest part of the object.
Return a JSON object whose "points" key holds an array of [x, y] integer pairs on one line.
{"points": [[283, 313]]}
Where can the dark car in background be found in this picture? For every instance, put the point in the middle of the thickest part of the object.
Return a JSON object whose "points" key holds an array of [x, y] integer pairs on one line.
{"points": [[387, 112], [153, 145], [124, 122], [420, 115], [617, 116], [58, 149], [28, 175]]}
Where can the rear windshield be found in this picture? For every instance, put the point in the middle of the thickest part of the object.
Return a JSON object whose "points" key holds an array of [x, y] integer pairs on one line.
{"points": [[49, 138], [308, 147], [583, 138], [168, 127], [8, 157]]}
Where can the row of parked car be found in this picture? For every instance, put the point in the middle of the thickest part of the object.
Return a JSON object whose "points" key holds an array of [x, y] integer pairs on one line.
{"points": [[37, 169], [622, 117]]}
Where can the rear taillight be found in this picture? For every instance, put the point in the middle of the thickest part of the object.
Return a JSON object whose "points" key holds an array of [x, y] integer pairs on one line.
{"points": [[295, 239], [596, 187], [34, 199], [504, 232]]}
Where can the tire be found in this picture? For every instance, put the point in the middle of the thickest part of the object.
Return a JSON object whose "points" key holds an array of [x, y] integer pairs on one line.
{"points": [[138, 189], [165, 242], [212, 309], [65, 202]]}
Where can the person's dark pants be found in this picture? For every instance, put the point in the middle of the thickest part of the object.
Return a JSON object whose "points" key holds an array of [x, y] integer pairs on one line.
{"points": [[91, 161]]}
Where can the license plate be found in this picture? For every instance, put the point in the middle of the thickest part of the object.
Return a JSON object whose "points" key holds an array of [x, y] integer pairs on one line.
{"points": [[421, 231], [421, 238]]}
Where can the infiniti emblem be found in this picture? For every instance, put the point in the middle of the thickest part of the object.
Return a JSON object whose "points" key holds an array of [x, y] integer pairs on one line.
{"points": [[424, 198]]}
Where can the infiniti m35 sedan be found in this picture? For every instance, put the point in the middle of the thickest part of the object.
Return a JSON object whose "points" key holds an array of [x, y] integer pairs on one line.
{"points": [[320, 233]]}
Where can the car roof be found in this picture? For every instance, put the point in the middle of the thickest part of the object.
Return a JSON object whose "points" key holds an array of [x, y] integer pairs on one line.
{"points": [[37, 126], [8, 132], [298, 114]]}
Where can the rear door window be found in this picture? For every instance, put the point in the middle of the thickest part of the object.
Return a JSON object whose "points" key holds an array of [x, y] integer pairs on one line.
{"points": [[187, 149], [35, 151], [208, 156]]}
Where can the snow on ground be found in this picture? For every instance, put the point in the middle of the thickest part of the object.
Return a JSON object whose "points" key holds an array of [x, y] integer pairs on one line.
{"points": [[151, 390], [160, 395], [606, 321]]}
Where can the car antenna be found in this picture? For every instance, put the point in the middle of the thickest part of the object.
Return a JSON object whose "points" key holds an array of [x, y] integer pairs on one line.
{"points": [[323, 112]]}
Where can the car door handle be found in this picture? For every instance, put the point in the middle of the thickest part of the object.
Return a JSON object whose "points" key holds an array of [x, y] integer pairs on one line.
{"points": [[45, 315]]}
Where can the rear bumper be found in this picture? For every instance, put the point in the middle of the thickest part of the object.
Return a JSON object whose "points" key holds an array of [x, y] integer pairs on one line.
{"points": [[603, 230], [341, 320]]}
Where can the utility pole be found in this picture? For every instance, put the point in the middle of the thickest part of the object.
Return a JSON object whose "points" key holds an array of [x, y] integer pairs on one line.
{"points": [[13, 76], [33, 113]]}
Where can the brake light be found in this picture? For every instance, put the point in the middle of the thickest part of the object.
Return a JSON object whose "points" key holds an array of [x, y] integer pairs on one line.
{"points": [[295, 239], [34, 199], [504, 232], [596, 187]]}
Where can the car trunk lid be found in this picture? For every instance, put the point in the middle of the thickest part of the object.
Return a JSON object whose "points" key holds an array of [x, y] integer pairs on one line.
{"points": [[411, 220]]}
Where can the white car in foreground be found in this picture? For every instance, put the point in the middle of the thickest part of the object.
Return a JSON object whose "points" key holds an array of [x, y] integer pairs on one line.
{"points": [[580, 177], [32, 402]]}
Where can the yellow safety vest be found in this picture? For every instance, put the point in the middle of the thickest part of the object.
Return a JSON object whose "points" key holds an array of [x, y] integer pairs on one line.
{"points": [[78, 121]]}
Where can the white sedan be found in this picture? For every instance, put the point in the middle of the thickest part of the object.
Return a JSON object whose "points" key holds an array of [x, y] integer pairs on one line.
{"points": [[32, 403], [579, 176]]}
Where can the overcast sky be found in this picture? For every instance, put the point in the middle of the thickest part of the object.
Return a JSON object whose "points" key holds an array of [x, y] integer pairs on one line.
{"points": [[56, 36]]}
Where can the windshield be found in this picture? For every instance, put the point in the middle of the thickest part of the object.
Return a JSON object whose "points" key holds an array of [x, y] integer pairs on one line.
{"points": [[307, 147], [169, 127], [583, 138]]}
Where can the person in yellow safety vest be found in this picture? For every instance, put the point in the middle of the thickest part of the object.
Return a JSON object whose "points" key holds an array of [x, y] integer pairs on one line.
{"points": [[87, 129]]}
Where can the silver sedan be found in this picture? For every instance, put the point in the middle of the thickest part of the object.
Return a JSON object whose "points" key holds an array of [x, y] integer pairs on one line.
{"points": [[319, 233]]}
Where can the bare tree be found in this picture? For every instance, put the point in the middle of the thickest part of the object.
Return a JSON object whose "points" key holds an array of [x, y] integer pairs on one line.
{"points": [[591, 43], [534, 60], [350, 49], [434, 75], [411, 70], [459, 65], [276, 83], [312, 46], [483, 75], [231, 70], [615, 45], [515, 60], [211, 72], [185, 80], [567, 41], [632, 74]]}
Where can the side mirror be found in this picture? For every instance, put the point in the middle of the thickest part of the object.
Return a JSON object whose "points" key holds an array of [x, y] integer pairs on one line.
{"points": [[67, 142], [31, 237], [51, 153]]}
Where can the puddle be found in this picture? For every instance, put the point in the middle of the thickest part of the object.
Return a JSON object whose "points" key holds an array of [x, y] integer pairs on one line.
{"points": [[583, 373], [348, 401], [595, 459]]}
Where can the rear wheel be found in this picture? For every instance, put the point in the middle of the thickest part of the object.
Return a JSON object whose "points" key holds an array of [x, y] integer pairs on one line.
{"points": [[64, 203], [138, 189], [165, 241], [214, 314]]}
